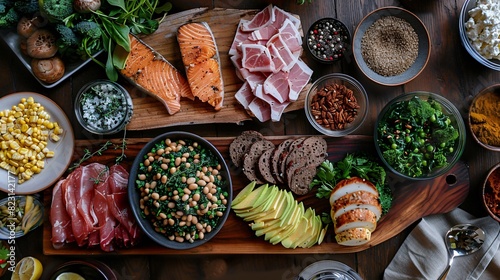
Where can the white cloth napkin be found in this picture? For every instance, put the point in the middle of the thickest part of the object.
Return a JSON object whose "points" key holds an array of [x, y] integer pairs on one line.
{"points": [[424, 255]]}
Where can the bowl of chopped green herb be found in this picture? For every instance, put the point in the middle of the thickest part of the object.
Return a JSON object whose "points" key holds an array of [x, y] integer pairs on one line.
{"points": [[180, 190], [103, 107], [419, 135]]}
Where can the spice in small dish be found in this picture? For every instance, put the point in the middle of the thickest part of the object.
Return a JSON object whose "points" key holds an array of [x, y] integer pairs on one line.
{"points": [[389, 46], [103, 107], [491, 192], [484, 117], [327, 40]]}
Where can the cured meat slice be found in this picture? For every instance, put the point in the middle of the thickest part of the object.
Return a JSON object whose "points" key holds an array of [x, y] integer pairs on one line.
{"points": [[260, 20], [256, 58], [281, 15], [291, 36], [106, 220], [244, 95], [239, 37], [277, 107], [263, 34], [118, 202], [285, 53], [299, 76], [200, 57], [153, 74], [71, 197], [277, 86], [278, 62], [260, 109], [59, 218], [91, 174]]}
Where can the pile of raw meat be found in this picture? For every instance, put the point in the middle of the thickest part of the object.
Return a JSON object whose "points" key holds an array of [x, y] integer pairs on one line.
{"points": [[266, 53], [90, 207]]}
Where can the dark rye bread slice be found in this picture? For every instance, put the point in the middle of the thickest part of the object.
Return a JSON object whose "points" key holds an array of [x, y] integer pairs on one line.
{"points": [[301, 179], [282, 164], [278, 155], [310, 154], [241, 145], [251, 159], [264, 166]]}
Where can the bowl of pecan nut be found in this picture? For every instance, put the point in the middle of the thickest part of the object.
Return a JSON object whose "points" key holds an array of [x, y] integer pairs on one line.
{"points": [[491, 192], [336, 104]]}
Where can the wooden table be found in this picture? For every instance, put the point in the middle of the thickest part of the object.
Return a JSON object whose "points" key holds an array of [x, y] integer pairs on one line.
{"points": [[450, 72]]}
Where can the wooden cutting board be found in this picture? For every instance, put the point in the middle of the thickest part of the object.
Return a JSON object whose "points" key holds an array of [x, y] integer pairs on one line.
{"points": [[150, 113], [412, 201]]}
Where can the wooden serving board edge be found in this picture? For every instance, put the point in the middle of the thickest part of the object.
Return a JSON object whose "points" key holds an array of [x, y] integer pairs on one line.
{"points": [[412, 201]]}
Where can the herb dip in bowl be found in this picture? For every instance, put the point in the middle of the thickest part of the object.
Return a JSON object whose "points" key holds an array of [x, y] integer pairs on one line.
{"points": [[103, 107]]}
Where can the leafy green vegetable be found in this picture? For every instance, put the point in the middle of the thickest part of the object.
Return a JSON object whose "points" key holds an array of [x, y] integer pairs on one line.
{"points": [[416, 137], [360, 165]]}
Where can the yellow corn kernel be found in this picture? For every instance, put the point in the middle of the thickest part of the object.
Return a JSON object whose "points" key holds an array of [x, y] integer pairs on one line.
{"points": [[54, 137], [48, 124], [3, 128], [13, 163], [14, 145], [23, 151], [33, 119], [17, 156], [30, 100], [21, 169], [40, 164], [40, 156], [50, 154], [4, 165], [58, 130], [24, 127], [4, 145]]}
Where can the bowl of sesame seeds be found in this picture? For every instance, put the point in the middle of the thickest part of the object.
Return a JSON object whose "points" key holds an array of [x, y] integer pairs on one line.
{"points": [[391, 46], [103, 107], [328, 40]]}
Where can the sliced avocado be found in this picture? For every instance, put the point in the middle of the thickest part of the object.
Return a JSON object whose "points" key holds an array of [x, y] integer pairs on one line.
{"points": [[248, 201], [243, 193]]}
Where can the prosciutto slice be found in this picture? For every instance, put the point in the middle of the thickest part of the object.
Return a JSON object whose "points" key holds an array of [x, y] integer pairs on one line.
{"points": [[277, 86], [260, 109], [90, 174], [256, 58], [260, 20], [71, 197], [291, 36], [299, 76], [244, 95], [59, 218], [106, 220]]}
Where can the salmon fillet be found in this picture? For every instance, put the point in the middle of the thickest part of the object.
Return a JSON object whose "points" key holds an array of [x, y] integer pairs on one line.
{"points": [[152, 73], [200, 57]]}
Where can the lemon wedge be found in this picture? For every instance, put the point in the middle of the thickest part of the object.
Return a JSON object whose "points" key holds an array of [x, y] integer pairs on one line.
{"points": [[28, 268], [69, 276]]}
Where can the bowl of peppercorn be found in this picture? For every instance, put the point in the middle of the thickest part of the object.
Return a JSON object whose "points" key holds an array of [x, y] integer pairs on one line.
{"points": [[336, 104], [328, 40], [391, 46]]}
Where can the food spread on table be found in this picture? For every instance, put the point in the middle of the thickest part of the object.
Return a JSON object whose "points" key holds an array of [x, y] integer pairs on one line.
{"points": [[89, 204]]}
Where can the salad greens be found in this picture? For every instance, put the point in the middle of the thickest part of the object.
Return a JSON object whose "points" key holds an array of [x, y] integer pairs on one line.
{"points": [[329, 174], [416, 137]]}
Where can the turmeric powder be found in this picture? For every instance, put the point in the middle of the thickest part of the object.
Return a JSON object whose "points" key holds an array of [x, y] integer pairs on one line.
{"points": [[485, 118]]}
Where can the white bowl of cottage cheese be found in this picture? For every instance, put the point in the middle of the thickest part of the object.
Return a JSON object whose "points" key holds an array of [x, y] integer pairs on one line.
{"points": [[480, 31]]}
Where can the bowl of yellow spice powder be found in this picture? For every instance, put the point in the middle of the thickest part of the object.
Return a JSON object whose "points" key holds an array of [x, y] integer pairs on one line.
{"points": [[484, 118]]}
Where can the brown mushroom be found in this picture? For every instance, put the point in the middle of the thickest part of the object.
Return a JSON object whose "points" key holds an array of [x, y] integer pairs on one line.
{"points": [[26, 27], [41, 44], [48, 70], [86, 6]]}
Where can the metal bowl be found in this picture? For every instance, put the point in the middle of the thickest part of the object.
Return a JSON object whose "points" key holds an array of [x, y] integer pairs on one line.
{"points": [[134, 193], [319, 121], [463, 18], [424, 46], [447, 108]]}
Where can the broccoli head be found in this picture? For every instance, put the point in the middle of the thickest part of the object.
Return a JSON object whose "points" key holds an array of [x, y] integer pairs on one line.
{"points": [[89, 29], [56, 10], [9, 18], [440, 160], [26, 6], [445, 135], [421, 108], [67, 37]]}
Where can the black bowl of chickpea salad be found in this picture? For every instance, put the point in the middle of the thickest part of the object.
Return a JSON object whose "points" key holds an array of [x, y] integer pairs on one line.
{"points": [[180, 190]]}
